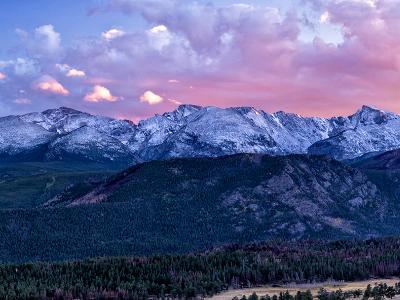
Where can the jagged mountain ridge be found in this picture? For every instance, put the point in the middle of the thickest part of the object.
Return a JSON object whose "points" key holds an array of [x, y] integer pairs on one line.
{"points": [[389, 160], [369, 130], [193, 131]]}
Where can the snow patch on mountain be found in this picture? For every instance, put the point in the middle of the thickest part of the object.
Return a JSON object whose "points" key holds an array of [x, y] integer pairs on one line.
{"points": [[17, 136], [90, 144]]}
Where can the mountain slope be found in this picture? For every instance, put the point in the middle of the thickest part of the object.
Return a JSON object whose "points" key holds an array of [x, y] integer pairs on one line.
{"points": [[65, 120], [389, 160], [88, 143], [183, 205], [66, 134], [254, 187], [383, 168], [30, 184], [18, 138]]}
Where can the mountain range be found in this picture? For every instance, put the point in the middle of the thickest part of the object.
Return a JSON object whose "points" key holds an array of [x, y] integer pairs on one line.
{"points": [[65, 134], [74, 185]]}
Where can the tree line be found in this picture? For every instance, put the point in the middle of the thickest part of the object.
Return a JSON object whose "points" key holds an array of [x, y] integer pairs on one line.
{"points": [[203, 274]]}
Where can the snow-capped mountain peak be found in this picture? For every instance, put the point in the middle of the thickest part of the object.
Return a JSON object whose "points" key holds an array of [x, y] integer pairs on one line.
{"points": [[368, 115], [192, 130]]}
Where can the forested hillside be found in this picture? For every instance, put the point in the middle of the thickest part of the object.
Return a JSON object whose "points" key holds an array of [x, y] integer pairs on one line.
{"points": [[183, 205]]}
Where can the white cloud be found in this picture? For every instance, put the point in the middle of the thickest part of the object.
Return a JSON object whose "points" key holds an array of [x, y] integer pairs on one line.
{"points": [[25, 66], [48, 84], [151, 98], [48, 39], [325, 18], [75, 73], [158, 29], [159, 37], [100, 93], [63, 67], [69, 71], [173, 81], [112, 34], [22, 101]]}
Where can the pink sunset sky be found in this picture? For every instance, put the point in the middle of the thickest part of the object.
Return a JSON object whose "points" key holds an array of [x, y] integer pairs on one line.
{"points": [[134, 58]]}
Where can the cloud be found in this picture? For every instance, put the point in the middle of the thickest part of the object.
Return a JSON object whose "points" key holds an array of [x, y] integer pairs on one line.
{"points": [[22, 101], [112, 34], [75, 73], [159, 37], [48, 84], [2, 76], [64, 68], [25, 67], [174, 101], [100, 93], [47, 39], [151, 98], [324, 17], [158, 29], [69, 71]]}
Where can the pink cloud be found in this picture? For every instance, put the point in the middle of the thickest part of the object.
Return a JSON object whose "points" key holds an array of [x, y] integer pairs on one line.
{"points": [[175, 101], [48, 84], [2, 76], [151, 98], [100, 93]]}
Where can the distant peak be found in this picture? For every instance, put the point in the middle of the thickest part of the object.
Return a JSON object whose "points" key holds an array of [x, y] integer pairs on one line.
{"points": [[284, 113], [182, 111], [366, 108], [188, 107], [371, 115], [244, 109], [63, 110]]}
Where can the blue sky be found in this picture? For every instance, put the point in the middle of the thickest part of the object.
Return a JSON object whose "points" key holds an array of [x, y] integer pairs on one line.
{"points": [[71, 17]]}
